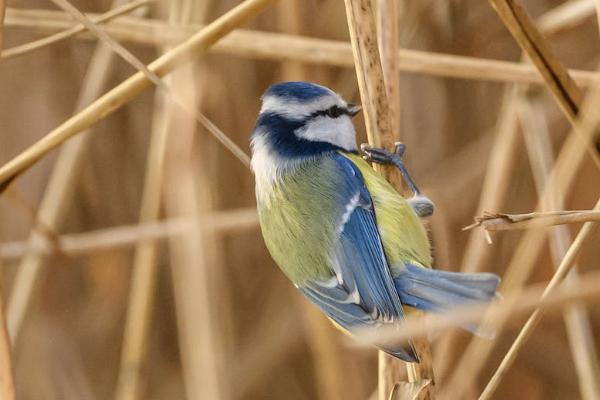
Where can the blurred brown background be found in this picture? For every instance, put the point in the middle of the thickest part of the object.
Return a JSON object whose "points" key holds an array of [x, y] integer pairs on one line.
{"points": [[224, 322]]}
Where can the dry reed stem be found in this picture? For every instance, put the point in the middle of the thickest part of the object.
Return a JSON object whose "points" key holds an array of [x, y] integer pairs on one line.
{"points": [[523, 29], [373, 93], [390, 370], [563, 88], [563, 174], [277, 46], [70, 32], [195, 259], [499, 170], [131, 87], [502, 159], [506, 222], [560, 274], [7, 383], [513, 306], [566, 16], [579, 331], [70, 245], [145, 269], [2, 14], [57, 198], [155, 79]]}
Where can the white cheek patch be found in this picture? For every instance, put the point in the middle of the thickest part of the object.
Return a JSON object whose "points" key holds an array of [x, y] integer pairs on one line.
{"points": [[337, 131]]}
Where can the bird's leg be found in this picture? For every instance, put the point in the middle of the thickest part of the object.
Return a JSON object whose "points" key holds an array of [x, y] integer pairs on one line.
{"points": [[422, 206]]}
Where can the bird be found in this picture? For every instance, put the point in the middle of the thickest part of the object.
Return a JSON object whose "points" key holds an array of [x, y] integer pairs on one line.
{"points": [[346, 239]]}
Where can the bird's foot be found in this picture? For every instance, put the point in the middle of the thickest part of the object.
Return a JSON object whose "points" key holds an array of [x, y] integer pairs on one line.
{"points": [[422, 206]]}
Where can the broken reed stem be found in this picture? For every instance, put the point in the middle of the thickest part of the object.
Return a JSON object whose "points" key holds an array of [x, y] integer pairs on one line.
{"points": [[72, 31], [374, 99], [278, 46], [506, 222], [130, 88], [563, 269]]}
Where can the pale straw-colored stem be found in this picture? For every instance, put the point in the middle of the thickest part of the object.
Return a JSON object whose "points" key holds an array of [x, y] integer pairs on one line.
{"points": [[278, 46], [560, 274], [130, 88], [374, 99], [508, 222], [577, 321], [70, 32]]}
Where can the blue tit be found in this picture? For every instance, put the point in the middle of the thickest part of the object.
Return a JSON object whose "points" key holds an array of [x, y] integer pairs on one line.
{"points": [[337, 229]]}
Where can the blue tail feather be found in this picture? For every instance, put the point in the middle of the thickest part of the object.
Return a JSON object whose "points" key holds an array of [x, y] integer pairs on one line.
{"points": [[435, 291]]}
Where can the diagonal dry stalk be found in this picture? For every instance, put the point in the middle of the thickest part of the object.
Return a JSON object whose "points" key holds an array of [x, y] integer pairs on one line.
{"points": [[131, 87], [556, 76], [278, 46], [561, 273], [503, 159], [577, 321], [57, 199], [563, 174], [70, 32], [361, 24]]}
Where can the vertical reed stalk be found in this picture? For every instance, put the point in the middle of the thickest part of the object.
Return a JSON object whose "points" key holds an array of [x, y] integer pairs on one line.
{"points": [[374, 96]]}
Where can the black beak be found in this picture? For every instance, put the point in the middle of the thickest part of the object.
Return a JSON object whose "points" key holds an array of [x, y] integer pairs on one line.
{"points": [[353, 109]]}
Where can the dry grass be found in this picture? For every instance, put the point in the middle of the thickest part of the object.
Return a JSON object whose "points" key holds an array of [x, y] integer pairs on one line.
{"points": [[139, 271]]}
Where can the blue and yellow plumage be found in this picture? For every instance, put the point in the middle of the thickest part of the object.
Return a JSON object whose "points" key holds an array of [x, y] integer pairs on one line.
{"points": [[336, 228]]}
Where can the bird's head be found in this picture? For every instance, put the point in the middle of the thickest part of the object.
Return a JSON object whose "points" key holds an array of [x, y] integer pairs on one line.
{"points": [[302, 119]]}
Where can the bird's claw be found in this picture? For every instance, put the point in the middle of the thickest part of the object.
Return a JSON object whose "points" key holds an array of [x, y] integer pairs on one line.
{"points": [[422, 206], [383, 156]]}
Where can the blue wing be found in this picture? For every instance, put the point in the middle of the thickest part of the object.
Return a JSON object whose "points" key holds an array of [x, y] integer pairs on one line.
{"points": [[362, 292]]}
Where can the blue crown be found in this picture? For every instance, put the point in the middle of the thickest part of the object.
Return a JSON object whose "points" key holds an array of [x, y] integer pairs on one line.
{"points": [[302, 91]]}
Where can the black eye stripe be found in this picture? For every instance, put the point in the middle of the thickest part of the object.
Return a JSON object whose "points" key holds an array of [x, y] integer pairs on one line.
{"points": [[331, 112]]}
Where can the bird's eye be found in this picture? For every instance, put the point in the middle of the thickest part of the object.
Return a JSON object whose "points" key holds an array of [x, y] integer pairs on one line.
{"points": [[334, 112]]}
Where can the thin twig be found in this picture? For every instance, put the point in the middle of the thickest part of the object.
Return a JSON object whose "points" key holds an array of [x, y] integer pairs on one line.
{"points": [[70, 32], [131, 87], [277, 46], [505, 222]]}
